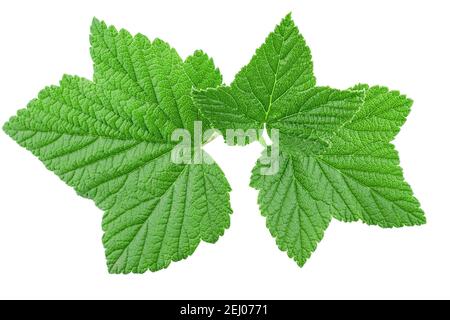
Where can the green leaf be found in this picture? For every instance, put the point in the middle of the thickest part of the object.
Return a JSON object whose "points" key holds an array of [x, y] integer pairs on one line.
{"points": [[357, 178], [111, 141], [361, 171], [277, 89], [334, 153], [282, 65], [290, 200]]}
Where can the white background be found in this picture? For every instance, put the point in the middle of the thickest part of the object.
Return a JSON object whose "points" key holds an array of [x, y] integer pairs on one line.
{"points": [[50, 239]]}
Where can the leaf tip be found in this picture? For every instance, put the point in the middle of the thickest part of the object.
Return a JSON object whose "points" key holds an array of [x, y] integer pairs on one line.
{"points": [[95, 20], [408, 101], [422, 219], [7, 128], [199, 53], [287, 22], [301, 263], [96, 24], [360, 86]]}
